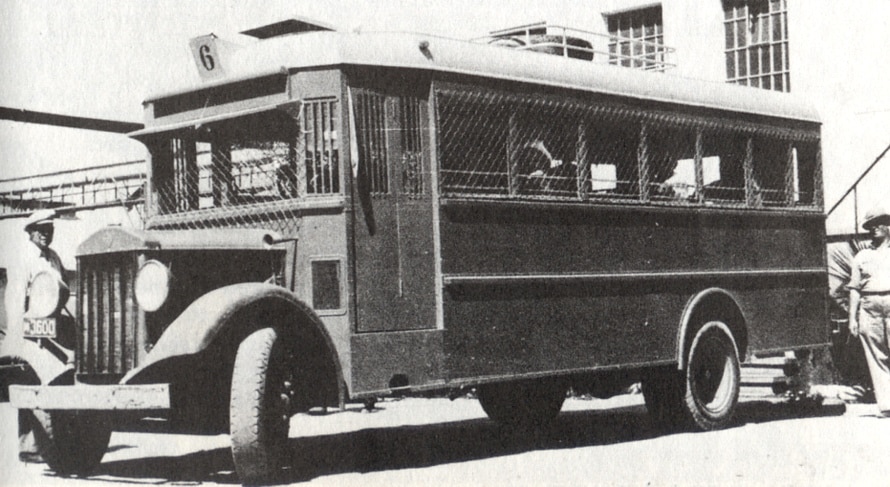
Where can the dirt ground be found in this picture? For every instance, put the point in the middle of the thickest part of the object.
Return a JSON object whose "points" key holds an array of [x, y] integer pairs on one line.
{"points": [[441, 442]]}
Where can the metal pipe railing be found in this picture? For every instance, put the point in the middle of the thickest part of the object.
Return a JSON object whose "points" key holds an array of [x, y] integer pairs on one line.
{"points": [[854, 190]]}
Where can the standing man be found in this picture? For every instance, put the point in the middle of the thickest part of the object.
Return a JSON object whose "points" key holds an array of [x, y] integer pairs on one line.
{"points": [[870, 303], [36, 257]]}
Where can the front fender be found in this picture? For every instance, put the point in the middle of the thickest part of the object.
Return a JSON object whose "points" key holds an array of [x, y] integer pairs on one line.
{"points": [[197, 327], [45, 364]]}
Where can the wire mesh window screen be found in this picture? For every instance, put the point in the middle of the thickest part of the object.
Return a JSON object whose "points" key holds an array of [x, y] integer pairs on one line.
{"points": [[772, 179], [253, 159], [724, 154], [671, 163], [505, 145], [370, 122], [472, 138], [610, 169]]}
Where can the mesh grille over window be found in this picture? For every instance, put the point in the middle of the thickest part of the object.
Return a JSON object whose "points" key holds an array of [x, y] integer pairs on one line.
{"points": [[262, 158], [506, 145]]}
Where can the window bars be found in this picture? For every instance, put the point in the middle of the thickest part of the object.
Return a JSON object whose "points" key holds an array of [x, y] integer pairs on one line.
{"points": [[757, 43], [389, 132], [499, 144], [637, 39], [266, 159]]}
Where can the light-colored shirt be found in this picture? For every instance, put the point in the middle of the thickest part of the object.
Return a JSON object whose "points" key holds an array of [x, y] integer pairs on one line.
{"points": [[20, 274], [871, 271]]}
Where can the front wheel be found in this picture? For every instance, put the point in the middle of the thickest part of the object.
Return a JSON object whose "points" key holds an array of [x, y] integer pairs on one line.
{"points": [[71, 442], [259, 411]]}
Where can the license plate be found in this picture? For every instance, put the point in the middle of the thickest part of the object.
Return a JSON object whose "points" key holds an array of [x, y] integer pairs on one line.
{"points": [[40, 327]]}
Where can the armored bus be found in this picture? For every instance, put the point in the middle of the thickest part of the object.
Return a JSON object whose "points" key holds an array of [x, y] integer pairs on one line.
{"points": [[336, 217]]}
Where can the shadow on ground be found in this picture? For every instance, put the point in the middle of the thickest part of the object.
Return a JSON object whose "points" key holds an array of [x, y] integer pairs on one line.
{"points": [[379, 449]]}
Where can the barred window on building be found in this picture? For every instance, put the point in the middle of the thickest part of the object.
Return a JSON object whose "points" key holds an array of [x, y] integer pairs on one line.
{"points": [[637, 38], [757, 43]]}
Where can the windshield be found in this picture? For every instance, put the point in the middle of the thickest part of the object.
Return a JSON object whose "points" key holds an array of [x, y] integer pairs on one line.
{"points": [[269, 157]]}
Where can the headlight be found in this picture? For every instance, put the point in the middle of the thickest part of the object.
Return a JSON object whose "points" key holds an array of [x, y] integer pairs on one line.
{"points": [[152, 285], [46, 294]]}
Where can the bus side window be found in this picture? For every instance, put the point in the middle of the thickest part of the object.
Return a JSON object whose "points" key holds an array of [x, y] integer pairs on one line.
{"points": [[544, 155], [725, 183], [772, 171], [612, 145], [472, 138], [671, 163], [807, 173]]}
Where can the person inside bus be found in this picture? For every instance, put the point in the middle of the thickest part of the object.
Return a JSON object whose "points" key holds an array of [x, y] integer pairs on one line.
{"points": [[870, 303], [543, 172]]}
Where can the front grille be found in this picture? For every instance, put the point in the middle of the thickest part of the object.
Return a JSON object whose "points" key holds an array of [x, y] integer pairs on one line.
{"points": [[108, 315]]}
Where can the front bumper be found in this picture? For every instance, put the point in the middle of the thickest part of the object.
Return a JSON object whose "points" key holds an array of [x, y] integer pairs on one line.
{"points": [[91, 397]]}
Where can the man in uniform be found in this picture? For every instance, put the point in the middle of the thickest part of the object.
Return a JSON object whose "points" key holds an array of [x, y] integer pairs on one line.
{"points": [[37, 257]]}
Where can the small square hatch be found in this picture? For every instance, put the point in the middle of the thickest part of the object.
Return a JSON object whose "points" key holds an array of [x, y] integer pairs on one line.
{"points": [[296, 25]]}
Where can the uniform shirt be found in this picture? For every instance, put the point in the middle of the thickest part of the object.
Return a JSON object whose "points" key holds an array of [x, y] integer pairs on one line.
{"points": [[32, 261], [871, 271]]}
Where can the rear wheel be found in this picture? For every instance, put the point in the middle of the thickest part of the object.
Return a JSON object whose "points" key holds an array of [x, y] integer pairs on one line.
{"points": [[260, 407], [523, 403], [71, 442], [705, 395], [713, 377]]}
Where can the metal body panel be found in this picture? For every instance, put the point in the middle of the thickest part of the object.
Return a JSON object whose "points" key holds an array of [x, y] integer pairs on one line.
{"points": [[385, 362], [532, 288], [393, 219]]}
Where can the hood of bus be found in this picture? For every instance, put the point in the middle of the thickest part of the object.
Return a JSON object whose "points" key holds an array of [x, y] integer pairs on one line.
{"points": [[120, 239]]}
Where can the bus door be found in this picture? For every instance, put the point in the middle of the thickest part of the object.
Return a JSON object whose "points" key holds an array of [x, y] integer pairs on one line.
{"points": [[393, 226]]}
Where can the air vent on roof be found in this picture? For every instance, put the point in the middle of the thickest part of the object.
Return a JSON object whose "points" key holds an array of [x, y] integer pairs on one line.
{"points": [[296, 25]]}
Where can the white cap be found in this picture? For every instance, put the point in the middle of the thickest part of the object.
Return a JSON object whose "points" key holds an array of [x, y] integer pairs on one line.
{"points": [[39, 217], [878, 211]]}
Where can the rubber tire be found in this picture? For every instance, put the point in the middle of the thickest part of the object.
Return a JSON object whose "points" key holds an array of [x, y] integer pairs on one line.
{"points": [[678, 399], [713, 377], [522, 404], [259, 416], [71, 442]]}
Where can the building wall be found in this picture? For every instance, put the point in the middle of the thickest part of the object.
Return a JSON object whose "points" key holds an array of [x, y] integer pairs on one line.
{"points": [[838, 62]]}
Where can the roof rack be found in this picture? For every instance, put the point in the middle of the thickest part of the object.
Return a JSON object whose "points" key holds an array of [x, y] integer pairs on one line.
{"points": [[581, 44]]}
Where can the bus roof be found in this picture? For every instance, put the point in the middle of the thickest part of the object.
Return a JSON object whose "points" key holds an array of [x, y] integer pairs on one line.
{"points": [[439, 54]]}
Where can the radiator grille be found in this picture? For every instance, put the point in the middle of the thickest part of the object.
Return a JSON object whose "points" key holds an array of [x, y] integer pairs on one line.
{"points": [[107, 314]]}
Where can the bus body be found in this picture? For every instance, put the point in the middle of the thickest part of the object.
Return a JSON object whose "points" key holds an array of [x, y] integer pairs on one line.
{"points": [[351, 215]]}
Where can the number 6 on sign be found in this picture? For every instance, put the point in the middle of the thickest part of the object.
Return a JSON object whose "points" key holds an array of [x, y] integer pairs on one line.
{"points": [[207, 59]]}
